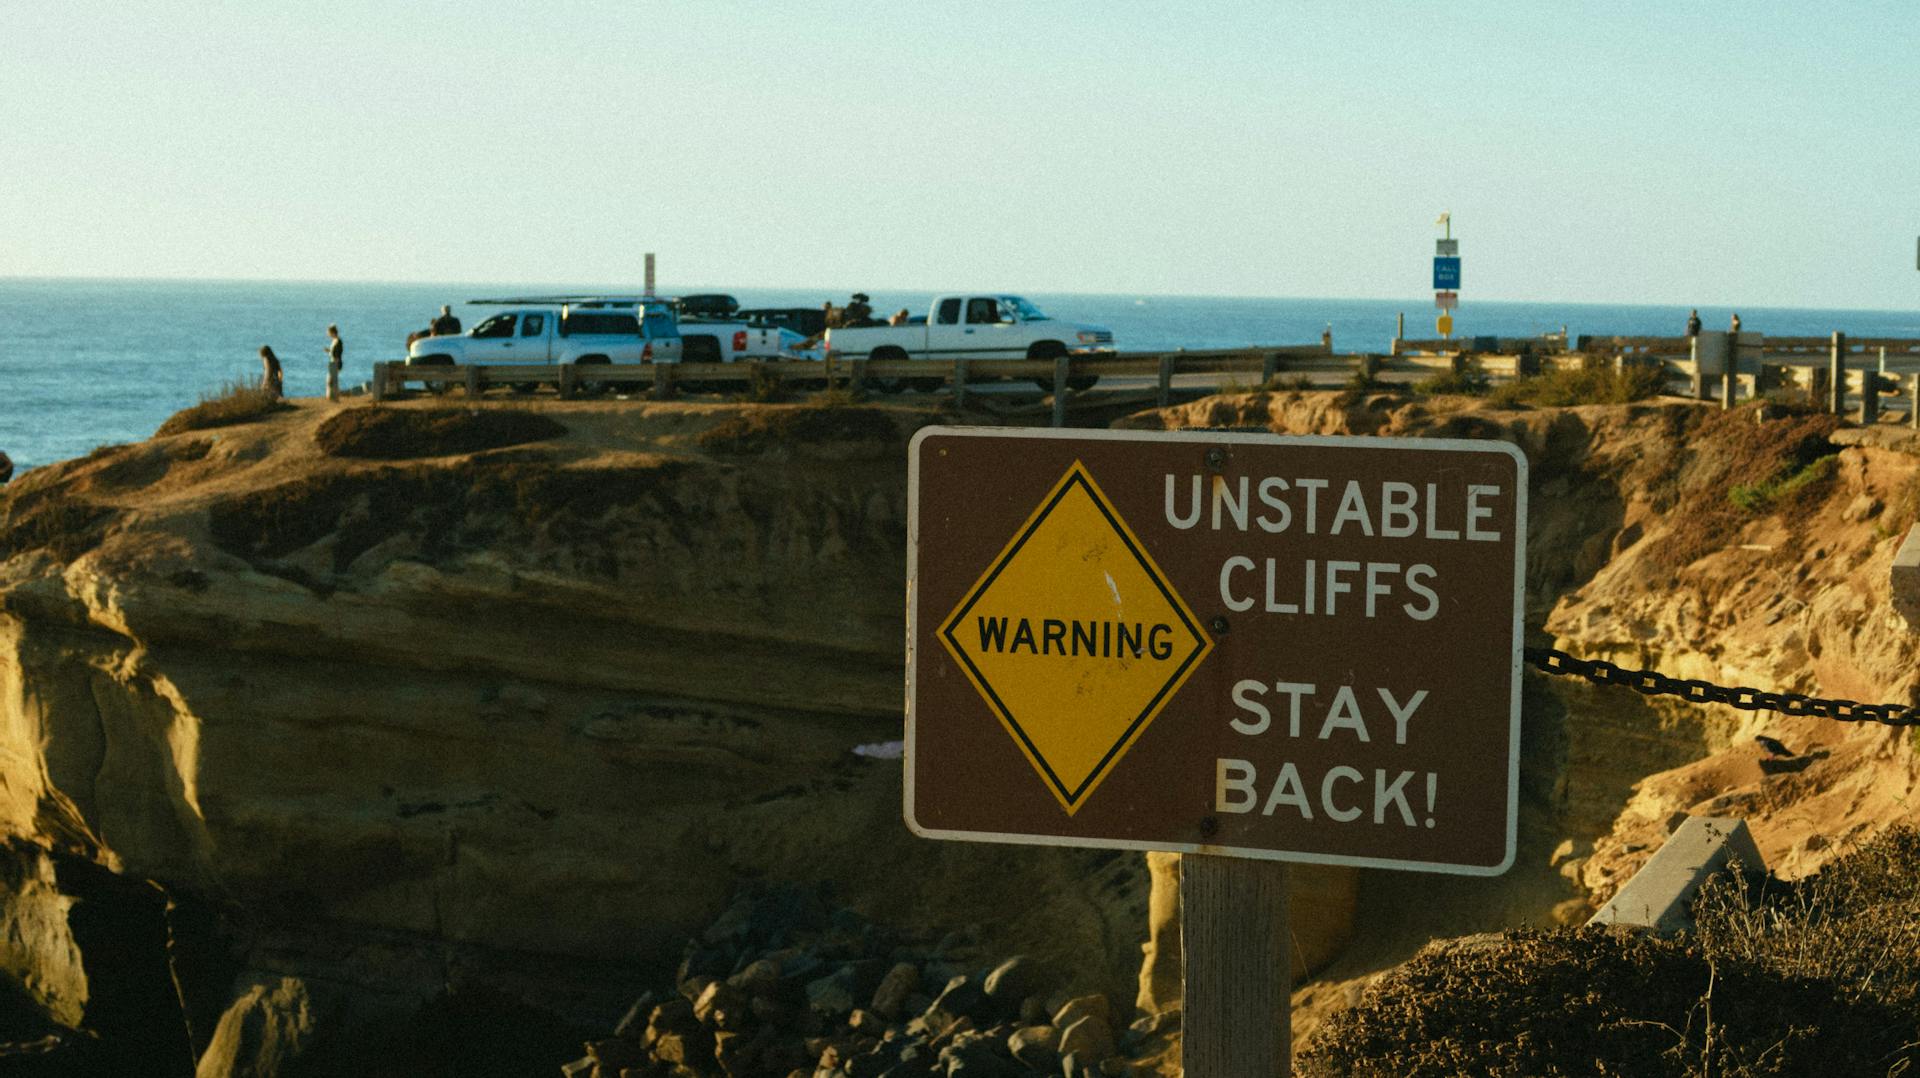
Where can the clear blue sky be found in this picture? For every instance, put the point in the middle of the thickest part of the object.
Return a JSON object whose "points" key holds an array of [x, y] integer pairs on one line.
{"points": [[1671, 152]]}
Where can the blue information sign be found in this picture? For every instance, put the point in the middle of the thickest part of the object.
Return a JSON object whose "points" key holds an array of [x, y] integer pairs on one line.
{"points": [[1446, 273]]}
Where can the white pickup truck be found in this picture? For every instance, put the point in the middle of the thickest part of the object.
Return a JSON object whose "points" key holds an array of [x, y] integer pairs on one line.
{"points": [[976, 326], [601, 329], [565, 333]]}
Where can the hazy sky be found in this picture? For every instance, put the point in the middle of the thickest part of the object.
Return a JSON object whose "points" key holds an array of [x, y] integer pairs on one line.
{"points": [[1673, 152]]}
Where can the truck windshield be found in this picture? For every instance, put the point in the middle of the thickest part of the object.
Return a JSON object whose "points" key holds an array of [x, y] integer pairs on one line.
{"points": [[1021, 309]]}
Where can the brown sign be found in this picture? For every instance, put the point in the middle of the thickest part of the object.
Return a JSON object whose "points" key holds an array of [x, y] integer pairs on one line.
{"points": [[1303, 649]]}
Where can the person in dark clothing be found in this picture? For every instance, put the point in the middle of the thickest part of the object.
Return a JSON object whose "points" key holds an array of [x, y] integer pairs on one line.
{"points": [[1736, 323], [859, 312], [336, 357], [446, 325], [1693, 323], [6, 468], [270, 373]]}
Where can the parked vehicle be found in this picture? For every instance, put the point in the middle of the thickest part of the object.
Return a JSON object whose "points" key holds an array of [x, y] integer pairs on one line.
{"points": [[565, 332], [735, 335], [977, 326], [591, 330]]}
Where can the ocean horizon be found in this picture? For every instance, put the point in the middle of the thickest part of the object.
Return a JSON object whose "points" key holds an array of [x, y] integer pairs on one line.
{"points": [[86, 362]]}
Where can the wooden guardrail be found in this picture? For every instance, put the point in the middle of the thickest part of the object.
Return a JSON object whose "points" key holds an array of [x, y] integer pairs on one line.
{"points": [[1895, 360], [1060, 377]]}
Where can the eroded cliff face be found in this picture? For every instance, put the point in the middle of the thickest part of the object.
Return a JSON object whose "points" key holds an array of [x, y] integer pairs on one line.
{"points": [[524, 716], [512, 716]]}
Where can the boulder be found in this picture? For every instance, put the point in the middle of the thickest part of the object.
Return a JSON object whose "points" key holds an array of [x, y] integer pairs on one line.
{"points": [[262, 1034], [900, 982]]}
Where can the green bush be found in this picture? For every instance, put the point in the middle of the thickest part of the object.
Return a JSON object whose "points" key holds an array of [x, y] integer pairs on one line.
{"points": [[235, 402], [1761, 496]]}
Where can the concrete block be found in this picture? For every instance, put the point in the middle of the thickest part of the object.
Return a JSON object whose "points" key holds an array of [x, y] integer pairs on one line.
{"points": [[1658, 895], [1905, 579]]}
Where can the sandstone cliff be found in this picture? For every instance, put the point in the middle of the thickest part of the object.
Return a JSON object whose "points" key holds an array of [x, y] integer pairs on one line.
{"points": [[520, 716], [396, 706]]}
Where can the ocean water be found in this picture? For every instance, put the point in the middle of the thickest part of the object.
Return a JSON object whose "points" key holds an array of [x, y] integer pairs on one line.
{"points": [[85, 363]]}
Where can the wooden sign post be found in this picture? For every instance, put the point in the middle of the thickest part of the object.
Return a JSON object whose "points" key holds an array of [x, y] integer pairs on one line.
{"points": [[1235, 967], [1244, 648]]}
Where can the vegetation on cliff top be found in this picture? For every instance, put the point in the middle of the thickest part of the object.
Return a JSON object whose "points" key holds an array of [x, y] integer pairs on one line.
{"points": [[1818, 977], [408, 433], [500, 497], [236, 402], [759, 430], [1733, 467]]}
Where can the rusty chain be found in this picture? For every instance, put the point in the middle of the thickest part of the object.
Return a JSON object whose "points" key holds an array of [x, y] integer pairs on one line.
{"points": [[1653, 683]]}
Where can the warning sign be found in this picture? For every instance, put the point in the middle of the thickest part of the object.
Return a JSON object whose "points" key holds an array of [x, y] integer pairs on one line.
{"points": [[1074, 672], [1295, 648]]}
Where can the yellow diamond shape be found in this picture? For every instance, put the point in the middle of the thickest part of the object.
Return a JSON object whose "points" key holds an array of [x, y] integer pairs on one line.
{"points": [[1075, 638]]}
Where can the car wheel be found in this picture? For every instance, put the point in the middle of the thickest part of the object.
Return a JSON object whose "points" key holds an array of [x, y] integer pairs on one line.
{"points": [[589, 387], [438, 389]]}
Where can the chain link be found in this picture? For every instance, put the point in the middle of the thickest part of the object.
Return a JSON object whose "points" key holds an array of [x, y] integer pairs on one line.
{"points": [[1653, 683]]}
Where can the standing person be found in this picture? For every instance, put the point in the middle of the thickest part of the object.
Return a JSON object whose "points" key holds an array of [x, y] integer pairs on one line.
{"points": [[446, 325], [1736, 321], [270, 373], [1326, 337], [859, 311], [1693, 322], [6, 468], [336, 351]]}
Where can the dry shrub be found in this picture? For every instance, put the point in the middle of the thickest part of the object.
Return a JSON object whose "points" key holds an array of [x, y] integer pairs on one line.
{"points": [[409, 433], [444, 511], [1470, 380], [54, 520], [1818, 978], [1593, 385], [1855, 925], [235, 402], [1735, 467], [761, 429]]}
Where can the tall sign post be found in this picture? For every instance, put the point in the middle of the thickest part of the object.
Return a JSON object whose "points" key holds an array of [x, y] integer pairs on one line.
{"points": [[1446, 276], [649, 291], [1249, 649]]}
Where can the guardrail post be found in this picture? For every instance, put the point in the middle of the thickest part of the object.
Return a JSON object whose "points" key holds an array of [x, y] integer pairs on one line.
{"points": [[1269, 367], [1730, 374], [663, 378], [1060, 367], [857, 376], [1399, 334], [377, 388], [569, 376], [959, 383], [1166, 380], [833, 364], [1870, 393], [473, 380], [1369, 364], [1699, 380], [1837, 374]]}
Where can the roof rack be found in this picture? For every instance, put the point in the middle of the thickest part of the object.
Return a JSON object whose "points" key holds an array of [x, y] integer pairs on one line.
{"points": [[557, 301]]}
